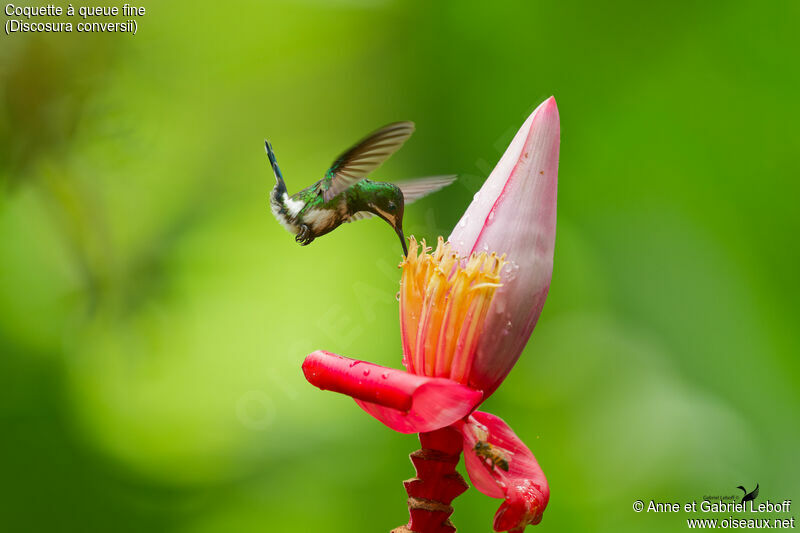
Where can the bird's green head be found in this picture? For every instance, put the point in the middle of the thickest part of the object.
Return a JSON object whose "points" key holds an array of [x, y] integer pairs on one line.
{"points": [[386, 201]]}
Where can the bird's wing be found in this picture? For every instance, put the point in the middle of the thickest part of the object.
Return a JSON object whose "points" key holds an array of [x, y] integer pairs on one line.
{"points": [[755, 492], [354, 165], [415, 189]]}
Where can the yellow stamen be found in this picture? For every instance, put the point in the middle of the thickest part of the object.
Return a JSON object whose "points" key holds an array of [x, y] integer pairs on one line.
{"points": [[444, 301]]}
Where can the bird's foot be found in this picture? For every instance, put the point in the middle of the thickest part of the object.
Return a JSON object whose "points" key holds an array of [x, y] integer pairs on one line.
{"points": [[302, 234], [305, 237]]}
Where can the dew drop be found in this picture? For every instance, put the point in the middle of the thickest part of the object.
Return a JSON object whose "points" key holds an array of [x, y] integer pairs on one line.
{"points": [[463, 222], [477, 195], [385, 375], [354, 363], [366, 371], [491, 215], [397, 296]]}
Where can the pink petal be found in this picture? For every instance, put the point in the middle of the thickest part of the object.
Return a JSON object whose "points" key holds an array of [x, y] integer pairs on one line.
{"points": [[523, 487], [405, 402], [515, 213]]}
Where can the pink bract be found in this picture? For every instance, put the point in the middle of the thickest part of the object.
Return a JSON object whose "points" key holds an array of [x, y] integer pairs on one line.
{"points": [[515, 213]]}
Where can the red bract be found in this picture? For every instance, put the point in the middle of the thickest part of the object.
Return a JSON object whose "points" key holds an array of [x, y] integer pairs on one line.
{"points": [[403, 401], [467, 310]]}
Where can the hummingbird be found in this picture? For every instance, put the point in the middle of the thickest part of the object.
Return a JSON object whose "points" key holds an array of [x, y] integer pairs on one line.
{"points": [[345, 194]]}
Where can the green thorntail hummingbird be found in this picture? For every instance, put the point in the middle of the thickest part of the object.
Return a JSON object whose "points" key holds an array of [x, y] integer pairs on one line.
{"points": [[344, 194]]}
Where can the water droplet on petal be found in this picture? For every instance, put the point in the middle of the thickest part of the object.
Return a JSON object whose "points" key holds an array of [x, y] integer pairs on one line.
{"points": [[491, 215], [366, 371], [510, 271], [385, 375], [463, 222], [397, 296], [354, 363]]}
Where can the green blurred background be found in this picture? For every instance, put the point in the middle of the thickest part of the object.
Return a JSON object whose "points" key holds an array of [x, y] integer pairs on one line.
{"points": [[153, 314]]}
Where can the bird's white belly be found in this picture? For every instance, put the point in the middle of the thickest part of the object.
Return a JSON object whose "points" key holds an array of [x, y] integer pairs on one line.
{"points": [[293, 206]]}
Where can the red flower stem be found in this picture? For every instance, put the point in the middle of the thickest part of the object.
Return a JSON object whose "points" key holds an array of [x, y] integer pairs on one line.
{"points": [[437, 482]]}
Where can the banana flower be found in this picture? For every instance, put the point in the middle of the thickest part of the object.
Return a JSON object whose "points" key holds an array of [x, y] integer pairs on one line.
{"points": [[467, 310]]}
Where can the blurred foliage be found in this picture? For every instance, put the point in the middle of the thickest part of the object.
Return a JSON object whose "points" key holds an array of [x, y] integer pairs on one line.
{"points": [[153, 315]]}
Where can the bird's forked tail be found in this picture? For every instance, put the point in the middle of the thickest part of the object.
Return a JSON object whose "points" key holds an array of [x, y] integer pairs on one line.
{"points": [[280, 185]]}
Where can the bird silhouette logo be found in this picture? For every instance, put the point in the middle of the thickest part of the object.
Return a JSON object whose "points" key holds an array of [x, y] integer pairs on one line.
{"points": [[748, 496]]}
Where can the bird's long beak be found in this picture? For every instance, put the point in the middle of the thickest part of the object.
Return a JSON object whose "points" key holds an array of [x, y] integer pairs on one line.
{"points": [[399, 230]]}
